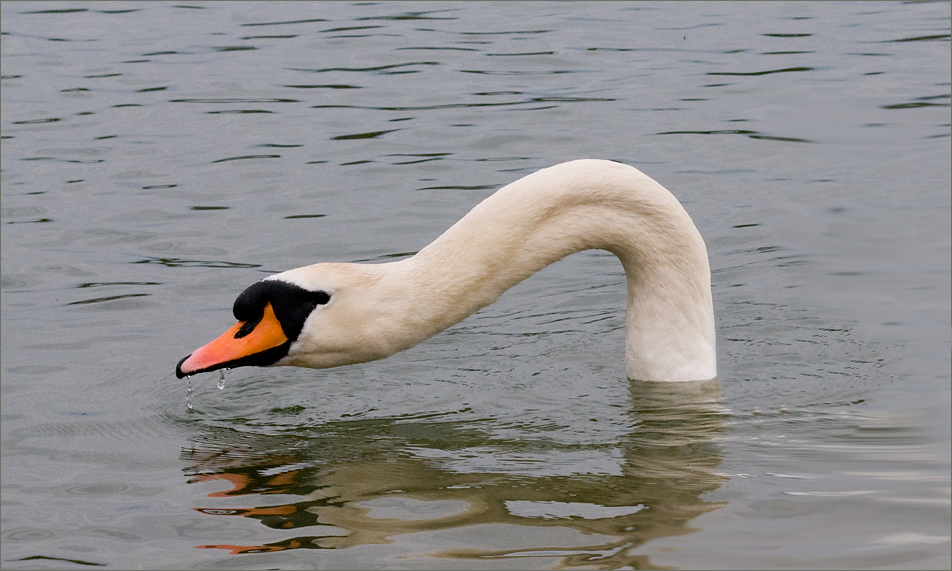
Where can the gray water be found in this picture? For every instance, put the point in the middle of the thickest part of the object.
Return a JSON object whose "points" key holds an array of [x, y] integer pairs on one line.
{"points": [[157, 158]]}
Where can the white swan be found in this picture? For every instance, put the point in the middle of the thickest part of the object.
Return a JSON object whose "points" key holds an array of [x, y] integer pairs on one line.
{"points": [[326, 315]]}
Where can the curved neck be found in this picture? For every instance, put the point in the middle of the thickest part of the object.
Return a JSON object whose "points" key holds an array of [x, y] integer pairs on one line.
{"points": [[581, 205]]}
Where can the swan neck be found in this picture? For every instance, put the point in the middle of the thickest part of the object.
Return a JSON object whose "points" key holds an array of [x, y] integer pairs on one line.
{"points": [[561, 210]]}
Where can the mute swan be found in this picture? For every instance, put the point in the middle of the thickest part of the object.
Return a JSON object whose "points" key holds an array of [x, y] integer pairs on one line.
{"points": [[331, 314]]}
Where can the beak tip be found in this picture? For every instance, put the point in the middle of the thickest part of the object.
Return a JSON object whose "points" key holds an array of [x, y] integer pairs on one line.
{"points": [[178, 368]]}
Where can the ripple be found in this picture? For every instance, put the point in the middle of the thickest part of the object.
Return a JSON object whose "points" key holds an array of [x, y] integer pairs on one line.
{"points": [[226, 100], [36, 369], [422, 15], [247, 157], [472, 105], [186, 263], [765, 72], [370, 135], [28, 534], [746, 132], [103, 489], [379, 68], [930, 38], [284, 22], [108, 298], [568, 510], [271, 37], [57, 11], [48, 558], [37, 121], [521, 54], [325, 86], [239, 111], [914, 105], [35, 221]]}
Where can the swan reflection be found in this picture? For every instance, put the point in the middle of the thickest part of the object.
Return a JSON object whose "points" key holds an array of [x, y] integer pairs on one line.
{"points": [[363, 482]]}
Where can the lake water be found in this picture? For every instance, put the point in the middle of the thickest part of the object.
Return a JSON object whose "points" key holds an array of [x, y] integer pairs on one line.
{"points": [[157, 158]]}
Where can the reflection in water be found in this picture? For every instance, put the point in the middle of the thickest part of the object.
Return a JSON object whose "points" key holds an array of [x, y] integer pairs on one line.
{"points": [[367, 481]]}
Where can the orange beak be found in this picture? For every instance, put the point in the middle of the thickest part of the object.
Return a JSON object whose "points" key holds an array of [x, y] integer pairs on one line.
{"points": [[262, 346]]}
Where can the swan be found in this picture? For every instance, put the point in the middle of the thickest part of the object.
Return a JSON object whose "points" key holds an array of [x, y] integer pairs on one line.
{"points": [[332, 314]]}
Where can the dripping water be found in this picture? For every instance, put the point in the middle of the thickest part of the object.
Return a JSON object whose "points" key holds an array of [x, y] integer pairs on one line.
{"points": [[188, 395], [221, 379]]}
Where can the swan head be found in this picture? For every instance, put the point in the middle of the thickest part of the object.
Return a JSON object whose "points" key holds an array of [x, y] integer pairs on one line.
{"points": [[318, 316]]}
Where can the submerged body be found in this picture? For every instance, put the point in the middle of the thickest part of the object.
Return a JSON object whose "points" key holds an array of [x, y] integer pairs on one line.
{"points": [[329, 314]]}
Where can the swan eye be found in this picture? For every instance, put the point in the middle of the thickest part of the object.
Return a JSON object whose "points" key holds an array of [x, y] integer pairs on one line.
{"points": [[291, 304], [247, 328]]}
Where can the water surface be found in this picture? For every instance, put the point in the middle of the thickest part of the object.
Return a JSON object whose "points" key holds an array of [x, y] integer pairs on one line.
{"points": [[157, 158]]}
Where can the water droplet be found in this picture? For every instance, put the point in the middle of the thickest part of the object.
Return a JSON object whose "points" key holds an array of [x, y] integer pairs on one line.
{"points": [[188, 396], [221, 379]]}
